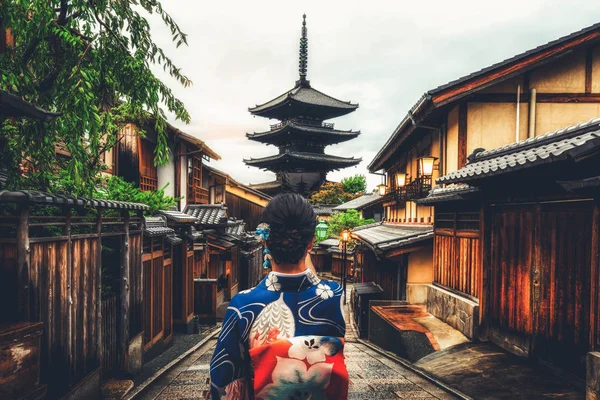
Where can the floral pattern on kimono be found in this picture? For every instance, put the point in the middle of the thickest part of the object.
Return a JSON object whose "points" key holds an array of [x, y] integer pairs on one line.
{"points": [[283, 339]]}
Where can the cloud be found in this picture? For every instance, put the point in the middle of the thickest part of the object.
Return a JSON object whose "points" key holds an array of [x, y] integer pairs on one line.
{"points": [[382, 54]]}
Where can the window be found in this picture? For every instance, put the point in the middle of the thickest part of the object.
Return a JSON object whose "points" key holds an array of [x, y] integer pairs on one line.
{"points": [[148, 173], [197, 194]]}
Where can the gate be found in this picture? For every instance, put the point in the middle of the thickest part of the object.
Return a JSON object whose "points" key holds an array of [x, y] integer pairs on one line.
{"points": [[540, 272]]}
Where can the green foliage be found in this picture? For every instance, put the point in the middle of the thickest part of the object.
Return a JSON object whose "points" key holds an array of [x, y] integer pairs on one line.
{"points": [[355, 184], [118, 189], [92, 61], [350, 219], [331, 193]]}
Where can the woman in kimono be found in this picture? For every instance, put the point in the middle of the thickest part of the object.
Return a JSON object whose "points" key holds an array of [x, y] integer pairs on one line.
{"points": [[284, 338]]}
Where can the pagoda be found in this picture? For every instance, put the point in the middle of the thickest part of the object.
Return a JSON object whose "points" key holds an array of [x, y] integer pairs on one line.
{"points": [[301, 135]]}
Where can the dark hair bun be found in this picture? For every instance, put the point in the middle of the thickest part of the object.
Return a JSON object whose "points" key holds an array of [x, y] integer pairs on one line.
{"points": [[292, 221]]}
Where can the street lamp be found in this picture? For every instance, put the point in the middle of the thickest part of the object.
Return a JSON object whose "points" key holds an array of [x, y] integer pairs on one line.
{"points": [[344, 237], [426, 165], [322, 230]]}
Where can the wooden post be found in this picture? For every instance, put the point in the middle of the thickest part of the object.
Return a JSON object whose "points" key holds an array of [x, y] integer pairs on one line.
{"points": [[99, 287], [24, 309], [70, 333], [124, 331]]}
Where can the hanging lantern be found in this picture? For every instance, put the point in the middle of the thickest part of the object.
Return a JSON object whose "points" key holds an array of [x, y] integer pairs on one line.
{"points": [[381, 189], [400, 180], [322, 230], [426, 165]]}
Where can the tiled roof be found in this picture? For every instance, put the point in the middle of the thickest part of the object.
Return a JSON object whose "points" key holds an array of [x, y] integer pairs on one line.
{"points": [[360, 202], [36, 197], [173, 239], [265, 185], [208, 214], [233, 182], [306, 95], [551, 147], [319, 133], [450, 193], [315, 157], [382, 237], [14, 106], [331, 242], [425, 101], [515, 58], [235, 227], [323, 209], [156, 226], [178, 217]]}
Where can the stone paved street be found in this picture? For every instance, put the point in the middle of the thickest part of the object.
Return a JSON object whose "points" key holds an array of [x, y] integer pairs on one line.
{"points": [[372, 376]]}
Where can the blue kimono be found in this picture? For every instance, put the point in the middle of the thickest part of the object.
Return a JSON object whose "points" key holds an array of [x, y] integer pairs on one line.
{"points": [[282, 339]]}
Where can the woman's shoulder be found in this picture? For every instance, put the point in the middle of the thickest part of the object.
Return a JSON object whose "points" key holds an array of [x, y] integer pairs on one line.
{"points": [[333, 285]]}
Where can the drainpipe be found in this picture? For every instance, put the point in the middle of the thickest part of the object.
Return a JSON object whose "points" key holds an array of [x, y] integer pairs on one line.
{"points": [[518, 111], [532, 103]]}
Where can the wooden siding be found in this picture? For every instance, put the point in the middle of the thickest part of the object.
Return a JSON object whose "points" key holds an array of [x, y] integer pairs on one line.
{"points": [[390, 275], [541, 266], [136, 286], [65, 298], [457, 258], [148, 171], [241, 208], [110, 335], [183, 283]]}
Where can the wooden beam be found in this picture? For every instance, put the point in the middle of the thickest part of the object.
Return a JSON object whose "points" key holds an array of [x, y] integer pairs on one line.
{"points": [[588, 70], [594, 339], [98, 272], [506, 71], [125, 275], [24, 301], [541, 98], [462, 135]]}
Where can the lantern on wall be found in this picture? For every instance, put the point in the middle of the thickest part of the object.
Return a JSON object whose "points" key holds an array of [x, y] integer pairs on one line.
{"points": [[322, 230], [381, 189], [426, 164], [400, 180]]}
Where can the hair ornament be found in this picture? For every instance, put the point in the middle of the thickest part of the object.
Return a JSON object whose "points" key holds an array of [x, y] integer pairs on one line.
{"points": [[262, 232]]}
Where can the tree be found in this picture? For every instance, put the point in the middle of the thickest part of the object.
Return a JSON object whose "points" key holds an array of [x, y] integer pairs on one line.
{"points": [[341, 221], [331, 193], [91, 61], [355, 184]]}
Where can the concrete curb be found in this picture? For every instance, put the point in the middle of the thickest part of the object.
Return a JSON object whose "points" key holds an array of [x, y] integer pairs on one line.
{"points": [[142, 386], [406, 364]]}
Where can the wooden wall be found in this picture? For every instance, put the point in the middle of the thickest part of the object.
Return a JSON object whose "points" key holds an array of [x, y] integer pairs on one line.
{"points": [[65, 297], [540, 293], [241, 208], [390, 275], [458, 254]]}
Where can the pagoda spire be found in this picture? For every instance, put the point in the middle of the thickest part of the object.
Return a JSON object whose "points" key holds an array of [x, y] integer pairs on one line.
{"points": [[303, 67]]}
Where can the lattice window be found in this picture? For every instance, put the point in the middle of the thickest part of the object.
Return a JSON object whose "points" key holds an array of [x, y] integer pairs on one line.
{"points": [[197, 194], [148, 172]]}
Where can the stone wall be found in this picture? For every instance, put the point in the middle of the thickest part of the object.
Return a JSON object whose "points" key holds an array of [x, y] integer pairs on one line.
{"points": [[458, 312], [593, 376], [416, 293]]}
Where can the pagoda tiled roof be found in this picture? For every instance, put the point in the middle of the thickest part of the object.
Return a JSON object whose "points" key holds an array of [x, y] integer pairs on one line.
{"points": [[304, 94], [299, 131], [309, 161]]}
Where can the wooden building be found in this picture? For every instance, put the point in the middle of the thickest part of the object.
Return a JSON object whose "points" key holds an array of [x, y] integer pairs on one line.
{"points": [[242, 201], [226, 259], [301, 136], [184, 176], [538, 204], [505, 107], [57, 299]]}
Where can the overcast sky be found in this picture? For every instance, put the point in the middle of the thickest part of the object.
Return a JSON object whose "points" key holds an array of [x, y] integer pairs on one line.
{"points": [[382, 55]]}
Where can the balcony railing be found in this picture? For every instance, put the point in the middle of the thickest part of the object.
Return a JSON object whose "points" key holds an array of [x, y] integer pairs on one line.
{"points": [[418, 189], [305, 122], [198, 195]]}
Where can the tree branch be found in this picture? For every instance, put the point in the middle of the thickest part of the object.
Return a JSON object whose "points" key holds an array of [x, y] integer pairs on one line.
{"points": [[112, 33]]}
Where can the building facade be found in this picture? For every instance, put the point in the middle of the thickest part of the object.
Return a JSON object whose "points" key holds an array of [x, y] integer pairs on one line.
{"points": [[501, 254]]}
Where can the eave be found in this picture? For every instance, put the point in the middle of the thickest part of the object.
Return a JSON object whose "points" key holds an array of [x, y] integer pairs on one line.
{"points": [[307, 161], [291, 131], [14, 106]]}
